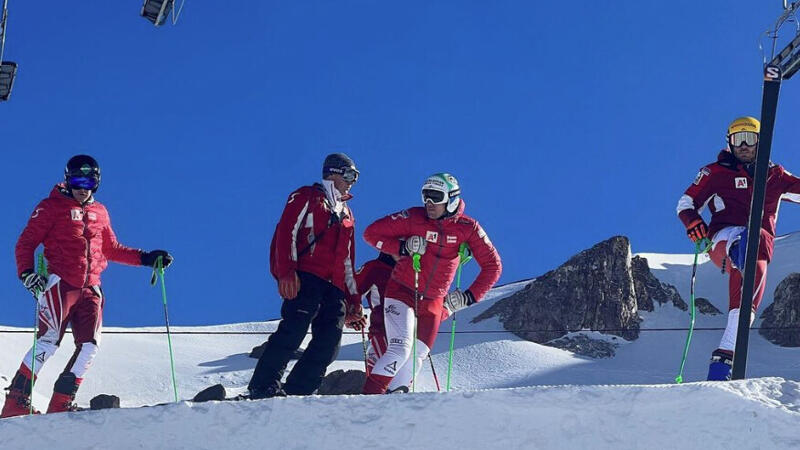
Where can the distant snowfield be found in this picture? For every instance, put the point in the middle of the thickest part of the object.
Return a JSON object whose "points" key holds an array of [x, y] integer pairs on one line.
{"points": [[507, 392]]}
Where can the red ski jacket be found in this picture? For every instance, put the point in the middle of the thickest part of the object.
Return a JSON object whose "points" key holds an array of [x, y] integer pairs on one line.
{"points": [[726, 188], [78, 240], [440, 261], [311, 238]]}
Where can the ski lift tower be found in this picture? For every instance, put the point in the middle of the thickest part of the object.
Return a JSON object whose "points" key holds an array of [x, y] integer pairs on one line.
{"points": [[8, 69], [157, 11], [781, 66]]}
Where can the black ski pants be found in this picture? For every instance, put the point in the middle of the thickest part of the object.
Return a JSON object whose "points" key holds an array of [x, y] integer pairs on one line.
{"points": [[319, 304]]}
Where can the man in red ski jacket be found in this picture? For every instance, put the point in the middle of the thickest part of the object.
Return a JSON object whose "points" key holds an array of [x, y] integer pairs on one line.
{"points": [[78, 243], [435, 232], [726, 188], [311, 257]]}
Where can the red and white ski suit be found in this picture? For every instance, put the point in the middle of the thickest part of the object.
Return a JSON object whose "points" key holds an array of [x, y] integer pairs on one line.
{"points": [[438, 268], [725, 187], [78, 243]]}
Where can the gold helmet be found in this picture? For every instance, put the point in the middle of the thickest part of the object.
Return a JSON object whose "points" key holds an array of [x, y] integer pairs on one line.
{"points": [[744, 130]]}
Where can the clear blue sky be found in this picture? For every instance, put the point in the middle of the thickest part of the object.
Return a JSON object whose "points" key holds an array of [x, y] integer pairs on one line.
{"points": [[566, 123]]}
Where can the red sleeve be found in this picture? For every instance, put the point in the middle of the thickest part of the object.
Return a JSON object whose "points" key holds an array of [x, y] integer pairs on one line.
{"points": [[487, 258], [286, 251], [117, 252], [695, 197], [385, 234], [34, 233], [351, 289], [791, 187]]}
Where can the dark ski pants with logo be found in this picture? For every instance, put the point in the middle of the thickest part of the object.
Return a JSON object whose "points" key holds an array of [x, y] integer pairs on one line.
{"points": [[320, 305]]}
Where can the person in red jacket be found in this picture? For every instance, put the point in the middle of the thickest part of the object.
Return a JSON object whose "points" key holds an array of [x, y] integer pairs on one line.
{"points": [[78, 243], [311, 257], [371, 279], [726, 188], [435, 232]]}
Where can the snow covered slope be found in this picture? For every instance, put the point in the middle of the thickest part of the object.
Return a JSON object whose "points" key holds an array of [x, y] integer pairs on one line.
{"points": [[627, 401]]}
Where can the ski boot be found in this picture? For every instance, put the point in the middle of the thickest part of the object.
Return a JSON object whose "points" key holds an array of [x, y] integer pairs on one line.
{"points": [[64, 392], [18, 399], [721, 364]]}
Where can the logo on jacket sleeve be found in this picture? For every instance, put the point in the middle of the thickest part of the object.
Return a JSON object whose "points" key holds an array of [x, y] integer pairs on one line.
{"points": [[432, 236], [400, 215], [703, 172], [92, 216], [741, 182], [36, 213], [76, 214]]}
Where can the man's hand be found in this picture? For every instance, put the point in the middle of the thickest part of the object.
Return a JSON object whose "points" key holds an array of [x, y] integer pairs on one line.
{"points": [[289, 285], [458, 300], [412, 245], [33, 282], [697, 230], [149, 258], [355, 317]]}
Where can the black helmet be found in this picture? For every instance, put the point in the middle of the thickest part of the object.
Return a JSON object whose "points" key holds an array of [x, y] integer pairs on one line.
{"points": [[341, 164], [82, 172]]}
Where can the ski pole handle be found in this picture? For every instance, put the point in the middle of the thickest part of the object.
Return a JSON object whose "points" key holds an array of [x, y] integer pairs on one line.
{"points": [[416, 264]]}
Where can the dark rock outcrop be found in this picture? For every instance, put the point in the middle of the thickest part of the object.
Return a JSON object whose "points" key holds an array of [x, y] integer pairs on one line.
{"points": [[593, 290], [648, 289], [342, 382], [585, 346], [104, 401], [705, 307], [781, 323]]}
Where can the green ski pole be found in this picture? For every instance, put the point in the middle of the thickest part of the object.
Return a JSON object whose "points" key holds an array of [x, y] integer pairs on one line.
{"points": [[417, 268], [464, 255], [702, 246], [41, 269], [158, 269]]}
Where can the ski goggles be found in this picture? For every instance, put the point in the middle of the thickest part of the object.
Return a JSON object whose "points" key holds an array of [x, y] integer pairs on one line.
{"points": [[434, 196], [87, 183], [349, 174], [749, 138]]}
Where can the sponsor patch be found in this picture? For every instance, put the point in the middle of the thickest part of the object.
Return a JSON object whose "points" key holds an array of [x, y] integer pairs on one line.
{"points": [[379, 244], [36, 213], [392, 309], [76, 214], [482, 234], [397, 341], [740, 182], [432, 236], [452, 239], [391, 368], [91, 216], [703, 172]]}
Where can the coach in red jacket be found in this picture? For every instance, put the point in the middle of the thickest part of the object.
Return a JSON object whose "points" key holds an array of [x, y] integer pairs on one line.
{"points": [[311, 257], [435, 232], [78, 243], [726, 188]]}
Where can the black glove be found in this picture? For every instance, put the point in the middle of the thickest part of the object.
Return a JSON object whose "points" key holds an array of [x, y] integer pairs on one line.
{"points": [[458, 300], [149, 258], [33, 281]]}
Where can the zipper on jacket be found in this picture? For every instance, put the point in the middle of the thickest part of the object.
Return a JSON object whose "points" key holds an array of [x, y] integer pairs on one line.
{"points": [[435, 262], [88, 245]]}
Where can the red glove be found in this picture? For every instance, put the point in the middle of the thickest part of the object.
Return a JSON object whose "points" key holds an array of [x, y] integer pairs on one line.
{"points": [[697, 230], [355, 317], [289, 285]]}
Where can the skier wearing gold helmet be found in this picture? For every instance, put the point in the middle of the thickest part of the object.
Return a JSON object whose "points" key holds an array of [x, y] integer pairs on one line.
{"points": [[725, 187]]}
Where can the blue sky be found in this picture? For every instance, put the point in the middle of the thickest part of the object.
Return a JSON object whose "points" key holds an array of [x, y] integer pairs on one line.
{"points": [[565, 122]]}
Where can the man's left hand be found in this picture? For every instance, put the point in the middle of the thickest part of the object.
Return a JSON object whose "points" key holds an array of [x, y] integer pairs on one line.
{"points": [[355, 317]]}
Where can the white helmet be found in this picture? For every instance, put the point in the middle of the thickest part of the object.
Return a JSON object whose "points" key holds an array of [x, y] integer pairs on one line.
{"points": [[442, 188]]}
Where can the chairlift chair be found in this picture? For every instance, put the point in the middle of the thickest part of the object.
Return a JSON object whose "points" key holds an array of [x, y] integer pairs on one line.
{"points": [[8, 70], [157, 11]]}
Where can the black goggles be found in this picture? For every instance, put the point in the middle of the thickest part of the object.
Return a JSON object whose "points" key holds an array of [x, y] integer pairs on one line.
{"points": [[87, 183], [434, 196], [749, 138], [349, 174]]}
